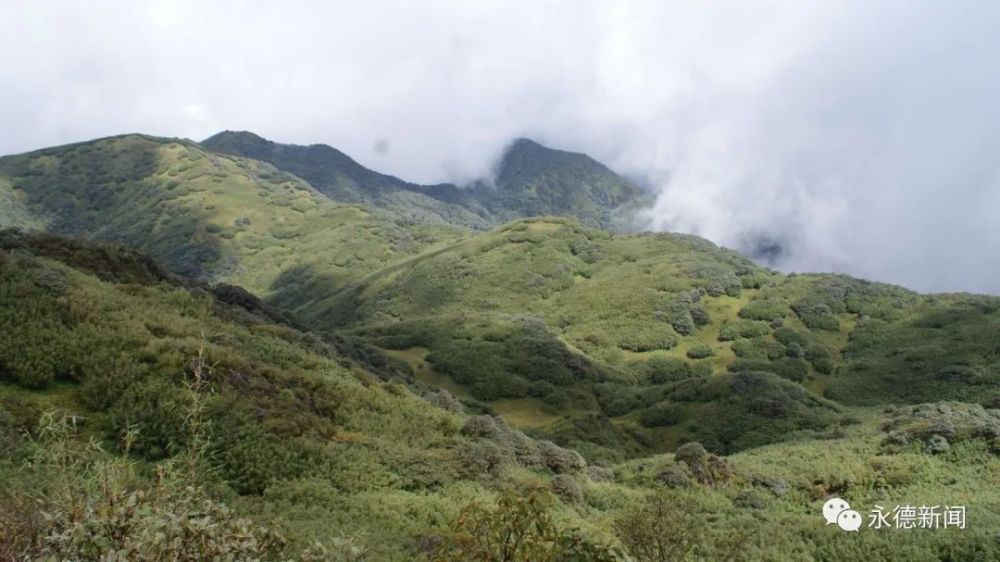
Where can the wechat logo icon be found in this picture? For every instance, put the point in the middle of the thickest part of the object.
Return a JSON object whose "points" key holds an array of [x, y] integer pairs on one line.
{"points": [[838, 511]]}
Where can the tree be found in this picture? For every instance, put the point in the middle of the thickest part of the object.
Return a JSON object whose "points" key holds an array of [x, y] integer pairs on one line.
{"points": [[667, 527], [661, 529]]}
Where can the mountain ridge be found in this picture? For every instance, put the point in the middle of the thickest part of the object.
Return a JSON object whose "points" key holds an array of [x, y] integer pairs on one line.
{"points": [[530, 180]]}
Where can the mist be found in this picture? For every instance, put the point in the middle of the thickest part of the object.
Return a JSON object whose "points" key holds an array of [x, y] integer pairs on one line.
{"points": [[856, 137]]}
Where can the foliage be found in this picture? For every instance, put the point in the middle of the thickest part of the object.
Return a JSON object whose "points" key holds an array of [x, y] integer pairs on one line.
{"points": [[518, 529]]}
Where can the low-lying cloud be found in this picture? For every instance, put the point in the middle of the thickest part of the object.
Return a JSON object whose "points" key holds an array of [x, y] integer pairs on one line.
{"points": [[858, 137]]}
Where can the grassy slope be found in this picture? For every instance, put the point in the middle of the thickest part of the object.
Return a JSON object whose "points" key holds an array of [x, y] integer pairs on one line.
{"points": [[307, 438], [306, 435], [611, 301], [342, 179], [531, 180], [204, 214]]}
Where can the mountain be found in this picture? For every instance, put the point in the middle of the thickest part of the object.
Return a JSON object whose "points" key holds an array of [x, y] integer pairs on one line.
{"points": [[531, 180], [545, 321], [342, 179], [204, 214], [156, 414], [302, 356], [107, 337]]}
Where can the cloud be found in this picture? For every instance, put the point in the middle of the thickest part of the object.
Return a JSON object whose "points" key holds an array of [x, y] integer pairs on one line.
{"points": [[847, 136]]}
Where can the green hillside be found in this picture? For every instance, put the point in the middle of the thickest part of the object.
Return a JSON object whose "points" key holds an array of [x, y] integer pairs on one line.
{"points": [[342, 179], [531, 180], [250, 351], [623, 342], [244, 435], [205, 215], [534, 180]]}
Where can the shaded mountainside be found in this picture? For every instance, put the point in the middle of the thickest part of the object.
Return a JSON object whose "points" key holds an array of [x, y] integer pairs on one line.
{"points": [[203, 214], [342, 179], [531, 180], [107, 338], [534, 180]]}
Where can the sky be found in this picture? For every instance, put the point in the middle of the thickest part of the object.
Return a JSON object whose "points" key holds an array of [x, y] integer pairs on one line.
{"points": [[860, 137]]}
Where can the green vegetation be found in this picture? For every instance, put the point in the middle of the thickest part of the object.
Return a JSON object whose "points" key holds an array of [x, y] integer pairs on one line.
{"points": [[345, 370], [531, 180], [206, 215]]}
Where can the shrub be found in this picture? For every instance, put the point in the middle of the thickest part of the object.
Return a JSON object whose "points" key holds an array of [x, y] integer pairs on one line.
{"points": [[600, 474], [750, 499], [102, 509], [661, 415], [758, 348], [736, 329], [444, 400], [678, 314], [661, 528], [647, 339], [560, 460], [768, 309], [673, 477], [817, 316], [482, 457], [661, 370], [699, 315], [567, 488], [789, 336], [481, 426], [700, 351], [518, 527], [157, 410], [707, 468], [820, 358]]}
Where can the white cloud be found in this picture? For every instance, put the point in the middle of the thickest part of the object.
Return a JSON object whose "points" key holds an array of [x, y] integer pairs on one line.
{"points": [[861, 134]]}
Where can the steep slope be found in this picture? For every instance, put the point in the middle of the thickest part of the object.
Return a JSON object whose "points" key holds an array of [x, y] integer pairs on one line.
{"points": [[534, 180], [204, 214], [531, 180], [342, 179], [305, 433]]}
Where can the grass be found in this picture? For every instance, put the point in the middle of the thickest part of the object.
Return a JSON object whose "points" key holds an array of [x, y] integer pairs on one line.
{"points": [[571, 333]]}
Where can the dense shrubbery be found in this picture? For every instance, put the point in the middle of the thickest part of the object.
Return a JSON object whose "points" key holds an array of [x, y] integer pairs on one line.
{"points": [[700, 351], [662, 414], [745, 409], [96, 507], [660, 370], [758, 349], [518, 528], [764, 309], [736, 329]]}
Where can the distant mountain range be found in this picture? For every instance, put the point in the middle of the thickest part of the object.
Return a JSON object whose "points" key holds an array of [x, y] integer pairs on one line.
{"points": [[531, 180]]}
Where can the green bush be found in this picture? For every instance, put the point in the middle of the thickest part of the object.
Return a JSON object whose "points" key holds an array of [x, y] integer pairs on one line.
{"points": [[788, 336], [157, 410], [700, 351], [764, 309], [661, 415], [758, 348], [518, 527], [735, 329], [661, 370]]}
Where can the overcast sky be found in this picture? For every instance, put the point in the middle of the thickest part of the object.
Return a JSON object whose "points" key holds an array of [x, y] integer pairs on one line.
{"points": [[862, 136]]}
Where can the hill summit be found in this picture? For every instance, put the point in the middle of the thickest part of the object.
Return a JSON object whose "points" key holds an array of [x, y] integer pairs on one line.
{"points": [[530, 180]]}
